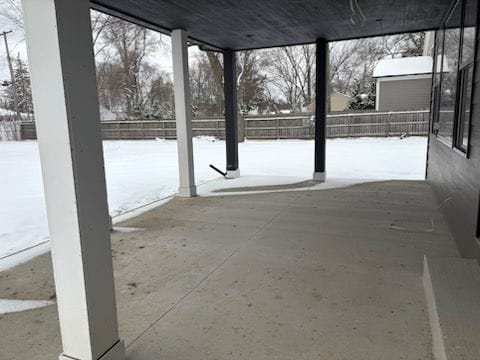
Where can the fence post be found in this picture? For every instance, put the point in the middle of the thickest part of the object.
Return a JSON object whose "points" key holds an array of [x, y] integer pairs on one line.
{"points": [[164, 131], [387, 130], [217, 123], [348, 125], [278, 127], [242, 127]]}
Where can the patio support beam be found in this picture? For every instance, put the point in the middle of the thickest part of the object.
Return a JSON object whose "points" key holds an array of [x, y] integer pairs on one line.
{"points": [[60, 52], [319, 174], [183, 113], [231, 112]]}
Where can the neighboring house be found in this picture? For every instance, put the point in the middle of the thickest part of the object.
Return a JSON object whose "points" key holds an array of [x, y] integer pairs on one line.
{"points": [[339, 101], [403, 83]]}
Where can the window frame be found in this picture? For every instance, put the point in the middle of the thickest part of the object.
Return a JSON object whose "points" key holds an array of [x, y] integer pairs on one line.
{"points": [[450, 142], [459, 125], [456, 141], [437, 84]]}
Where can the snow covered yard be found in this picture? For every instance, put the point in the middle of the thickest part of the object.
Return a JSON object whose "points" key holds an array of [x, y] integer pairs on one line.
{"points": [[139, 172]]}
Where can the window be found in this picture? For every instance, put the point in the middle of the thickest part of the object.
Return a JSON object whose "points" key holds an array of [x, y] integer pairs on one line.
{"points": [[453, 75], [466, 75], [448, 89], [468, 37], [478, 220], [463, 124], [438, 64]]}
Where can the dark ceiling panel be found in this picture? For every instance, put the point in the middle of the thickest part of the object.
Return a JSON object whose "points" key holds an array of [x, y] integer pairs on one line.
{"points": [[250, 24]]}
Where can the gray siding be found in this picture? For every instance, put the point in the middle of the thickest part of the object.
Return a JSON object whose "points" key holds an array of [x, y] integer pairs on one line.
{"points": [[411, 94], [456, 179]]}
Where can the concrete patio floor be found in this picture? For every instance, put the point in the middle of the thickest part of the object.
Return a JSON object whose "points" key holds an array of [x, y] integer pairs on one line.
{"points": [[329, 274]]}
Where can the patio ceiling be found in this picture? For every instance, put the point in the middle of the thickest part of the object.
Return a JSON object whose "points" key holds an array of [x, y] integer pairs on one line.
{"points": [[252, 24]]}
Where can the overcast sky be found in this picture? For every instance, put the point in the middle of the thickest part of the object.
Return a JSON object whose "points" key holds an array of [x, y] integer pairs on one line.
{"points": [[162, 57], [16, 41], [17, 46]]}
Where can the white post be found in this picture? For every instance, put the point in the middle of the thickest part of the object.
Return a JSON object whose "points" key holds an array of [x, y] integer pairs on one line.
{"points": [[183, 114], [59, 44]]}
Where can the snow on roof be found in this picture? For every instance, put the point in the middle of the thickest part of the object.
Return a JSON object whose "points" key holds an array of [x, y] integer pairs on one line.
{"points": [[445, 63], [414, 65]]}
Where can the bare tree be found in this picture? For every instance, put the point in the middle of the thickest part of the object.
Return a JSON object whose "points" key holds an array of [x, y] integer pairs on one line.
{"points": [[11, 14], [100, 23], [11, 17], [206, 84], [342, 66], [251, 81], [291, 70], [410, 44], [129, 45]]}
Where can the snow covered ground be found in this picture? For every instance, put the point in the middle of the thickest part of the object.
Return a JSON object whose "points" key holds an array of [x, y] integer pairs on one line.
{"points": [[140, 172]]}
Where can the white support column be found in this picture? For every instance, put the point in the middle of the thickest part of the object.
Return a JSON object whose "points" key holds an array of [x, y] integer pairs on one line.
{"points": [[183, 113], [59, 43]]}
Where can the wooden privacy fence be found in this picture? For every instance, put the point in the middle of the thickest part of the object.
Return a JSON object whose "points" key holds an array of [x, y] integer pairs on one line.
{"points": [[354, 124], [357, 124], [378, 124]]}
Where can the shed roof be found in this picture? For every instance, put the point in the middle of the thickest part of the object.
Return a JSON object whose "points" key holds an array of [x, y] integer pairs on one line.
{"points": [[415, 65]]}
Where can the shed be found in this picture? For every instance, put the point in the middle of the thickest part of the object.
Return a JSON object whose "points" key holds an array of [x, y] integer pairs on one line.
{"points": [[403, 83]]}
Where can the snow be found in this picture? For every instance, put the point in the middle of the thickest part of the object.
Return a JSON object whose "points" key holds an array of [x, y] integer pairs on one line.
{"points": [[413, 65], [5, 112], [9, 306], [143, 172], [444, 65]]}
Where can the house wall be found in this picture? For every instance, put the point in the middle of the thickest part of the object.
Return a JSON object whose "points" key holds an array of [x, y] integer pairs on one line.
{"points": [[403, 93], [456, 178], [339, 102]]}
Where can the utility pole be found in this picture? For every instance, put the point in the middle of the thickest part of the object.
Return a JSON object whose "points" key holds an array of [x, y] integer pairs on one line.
{"points": [[12, 75]]}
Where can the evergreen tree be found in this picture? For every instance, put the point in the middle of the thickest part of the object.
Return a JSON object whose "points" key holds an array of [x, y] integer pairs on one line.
{"points": [[23, 89], [363, 95]]}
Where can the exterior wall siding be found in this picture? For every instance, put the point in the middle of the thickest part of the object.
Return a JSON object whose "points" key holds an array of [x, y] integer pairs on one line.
{"points": [[411, 94], [456, 178]]}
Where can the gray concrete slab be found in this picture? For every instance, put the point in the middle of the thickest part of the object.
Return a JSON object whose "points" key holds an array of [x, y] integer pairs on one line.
{"points": [[452, 289], [331, 274]]}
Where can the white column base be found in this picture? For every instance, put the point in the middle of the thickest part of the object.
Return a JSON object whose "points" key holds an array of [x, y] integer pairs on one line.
{"points": [[116, 352], [319, 177], [187, 192], [232, 174]]}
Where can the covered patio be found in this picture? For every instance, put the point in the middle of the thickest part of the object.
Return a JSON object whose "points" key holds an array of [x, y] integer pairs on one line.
{"points": [[296, 274], [313, 274]]}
